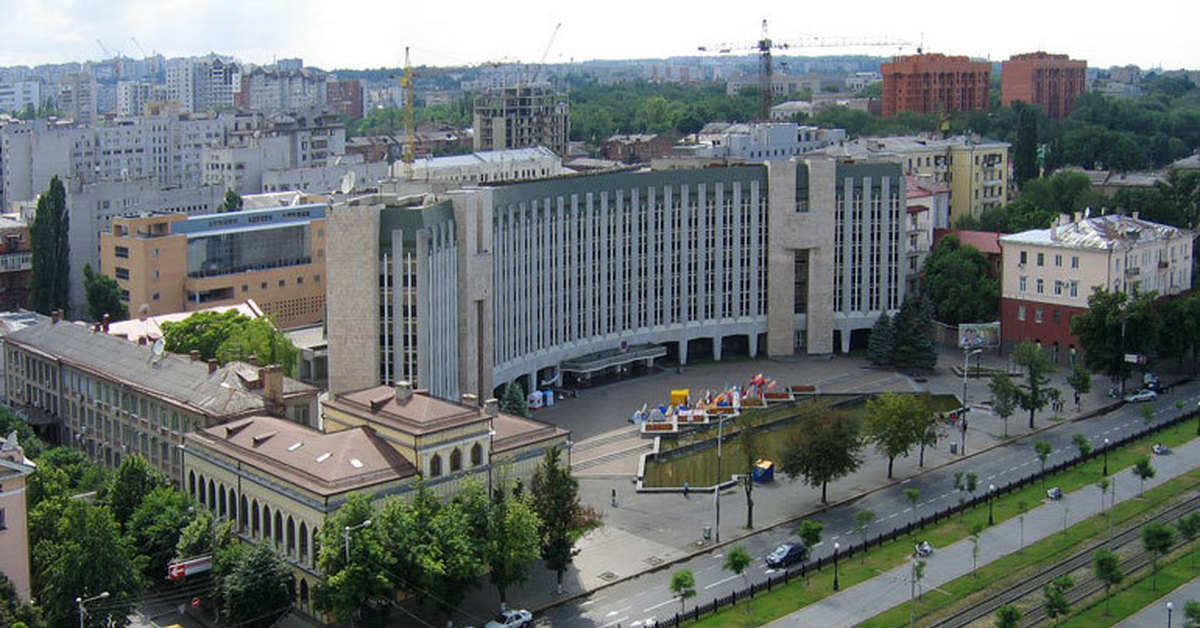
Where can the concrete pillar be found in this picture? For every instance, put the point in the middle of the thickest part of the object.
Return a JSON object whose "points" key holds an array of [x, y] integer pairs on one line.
{"points": [[682, 352], [716, 343], [753, 343], [846, 340], [533, 382]]}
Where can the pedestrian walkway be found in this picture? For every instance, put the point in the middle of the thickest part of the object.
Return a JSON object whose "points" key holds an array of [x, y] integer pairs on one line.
{"points": [[870, 598], [1155, 615]]}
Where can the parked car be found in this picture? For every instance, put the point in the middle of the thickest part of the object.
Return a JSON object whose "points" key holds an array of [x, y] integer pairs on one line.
{"points": [[1150, 381], [511, 619], [786, 554], [1054, 494], [1142, 395], [1160, 449]]}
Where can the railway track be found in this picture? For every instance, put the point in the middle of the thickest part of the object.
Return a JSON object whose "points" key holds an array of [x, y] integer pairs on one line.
{"points": [[1079, 560]]}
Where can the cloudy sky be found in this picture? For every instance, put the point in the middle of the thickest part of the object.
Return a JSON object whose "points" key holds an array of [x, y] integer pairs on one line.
{"points": [[360, 34]]}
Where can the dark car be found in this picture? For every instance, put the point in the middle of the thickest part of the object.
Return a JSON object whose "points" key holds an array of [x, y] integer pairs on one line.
{"points": [[786, 554]]}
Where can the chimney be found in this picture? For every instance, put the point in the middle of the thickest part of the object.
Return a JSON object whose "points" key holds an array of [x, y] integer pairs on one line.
{"points": [[470, 400], [404, 392], [55, 316], [212, 366], [252, 359], [142, 340], [104, 322], [491, 407], [195, 355], [1135, 215], [272, 382]]}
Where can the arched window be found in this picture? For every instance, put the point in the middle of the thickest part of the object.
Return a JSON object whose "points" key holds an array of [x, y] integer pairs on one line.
{"points": [[212, 495], [476, 455], [291, 536], [278, 529], [221, 500], [304, 543], [203, 491], [192, 484], [266, 522], [455, 460], [243, 514], [304, 594], [435, 466], [233, 505], [254, 518]]}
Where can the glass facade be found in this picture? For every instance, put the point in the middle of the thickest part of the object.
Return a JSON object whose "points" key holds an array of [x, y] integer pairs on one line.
{"points": [[240, 251]]}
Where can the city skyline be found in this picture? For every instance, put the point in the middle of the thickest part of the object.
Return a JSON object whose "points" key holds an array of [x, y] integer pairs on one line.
{"points": [[375, 34]]}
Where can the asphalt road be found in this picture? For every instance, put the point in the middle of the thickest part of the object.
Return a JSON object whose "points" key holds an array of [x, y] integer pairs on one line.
{"points": [[641, 600]]}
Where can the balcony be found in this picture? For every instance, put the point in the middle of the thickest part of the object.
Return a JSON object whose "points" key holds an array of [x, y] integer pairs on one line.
{"points": [[1164, 264], [1131, 271]]}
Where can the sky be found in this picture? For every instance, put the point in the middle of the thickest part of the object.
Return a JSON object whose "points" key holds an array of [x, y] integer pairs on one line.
{"points": [[368, 34]]}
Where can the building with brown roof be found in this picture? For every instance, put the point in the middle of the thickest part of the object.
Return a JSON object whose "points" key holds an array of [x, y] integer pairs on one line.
{"points": [[935, 83], [1050, 80]]}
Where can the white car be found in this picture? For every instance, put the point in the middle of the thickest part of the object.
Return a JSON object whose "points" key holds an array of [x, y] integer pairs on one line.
{"points": [[511, 619], [1142, 395]]}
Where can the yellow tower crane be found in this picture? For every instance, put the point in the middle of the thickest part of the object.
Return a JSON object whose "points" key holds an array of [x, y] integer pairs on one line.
{"points": [[410, 127]]}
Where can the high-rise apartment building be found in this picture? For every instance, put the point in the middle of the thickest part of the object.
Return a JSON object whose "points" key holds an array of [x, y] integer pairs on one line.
{"points": [[522, 116], [935, 83], [77, 97], [1050, 80], [203, 83]]}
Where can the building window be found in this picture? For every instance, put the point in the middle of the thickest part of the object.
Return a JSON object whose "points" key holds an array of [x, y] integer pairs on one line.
{"points": [[1057, 287], [3, 525], [316, 279], [1056, 316], [476, 455], [1037, 314], [435, 466], [1074, 261], [264, 285], [1024, 257], [121, 273], [245, 288], [282, 283], [1074, 288], [299, 281], [1041, 286], [1020, 312], [122, 252], [1022, 283], [1058, 261], [1041, 259], [455, 460], [155, 297]]}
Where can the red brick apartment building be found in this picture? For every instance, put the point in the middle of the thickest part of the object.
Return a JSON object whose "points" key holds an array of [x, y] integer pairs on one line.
{"points": [[1050, 80], [933, 82]]}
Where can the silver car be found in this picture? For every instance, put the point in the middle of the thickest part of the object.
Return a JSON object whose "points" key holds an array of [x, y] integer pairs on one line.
{"points": [[1142, 395]]}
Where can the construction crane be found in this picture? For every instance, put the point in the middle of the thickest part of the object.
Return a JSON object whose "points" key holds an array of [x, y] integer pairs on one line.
{"points": [[410, 127], [545, 52], [765, 45]]}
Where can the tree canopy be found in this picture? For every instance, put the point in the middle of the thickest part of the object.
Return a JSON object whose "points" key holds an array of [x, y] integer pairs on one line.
{"points": [[227, 336], [50, 249], [895, 424], [556, 502], [828, 449], [958, 285]]}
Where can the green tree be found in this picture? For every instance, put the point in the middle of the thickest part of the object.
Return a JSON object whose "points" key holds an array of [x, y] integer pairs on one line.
{"points": [[1144, 470], [1004, 397], [1191, 614], [958, 285], [232, 203], [352, 585], [810, 532], [258, 337], [258, 590], [133, 481], [894, 424], [1033, 395], [931, 430], [738, 560], [86, 556], [26, 438], [1054, 597], [1106, 566], [862, 522], [1114, 325], [513, 400], [155, 528], [1147, 414], [1008, 616], [913, 495], [828, 449], [1080, 381], [976, 530], [13, 611], [103, 296], [751, 450], [1189, 527], [1082, 444], [1157, 538], [512, 542], [50, 250], [556, 502], [202, 331], [882, 341], [916, 347], [683, 585], [1043, 449], [1025, 166]]}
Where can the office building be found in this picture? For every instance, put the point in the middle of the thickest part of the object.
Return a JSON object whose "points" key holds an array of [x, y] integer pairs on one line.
{"points": [[935, 83], [268, 89], [1048, 274], [758, 141], [175, 263], [109, 397], [520, 117], [530, 280], [1050, 80]]}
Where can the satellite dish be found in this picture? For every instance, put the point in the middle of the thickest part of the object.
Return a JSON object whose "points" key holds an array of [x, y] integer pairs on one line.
{"points": [[349, 180], [159, 348]]}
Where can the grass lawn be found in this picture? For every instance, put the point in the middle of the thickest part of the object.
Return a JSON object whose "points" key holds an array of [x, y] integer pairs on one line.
{"points": [[1136, 594], [795, 595]]}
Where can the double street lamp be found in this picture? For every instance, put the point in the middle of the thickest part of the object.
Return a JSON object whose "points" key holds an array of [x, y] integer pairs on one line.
{"points": [[717, 486], [80, 601]]}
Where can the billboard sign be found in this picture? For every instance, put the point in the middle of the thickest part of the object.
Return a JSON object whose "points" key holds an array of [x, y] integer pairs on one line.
{"points": [[978, 335]]}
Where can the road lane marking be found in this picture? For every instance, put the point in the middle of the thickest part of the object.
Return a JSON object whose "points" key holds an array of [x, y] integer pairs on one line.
{"points": [[660, 604], [615, 623], [721, 582], [619, 610]]}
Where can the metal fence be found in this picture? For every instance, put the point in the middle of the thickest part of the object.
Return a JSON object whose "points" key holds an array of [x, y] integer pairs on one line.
{"points": [[817, 565]]}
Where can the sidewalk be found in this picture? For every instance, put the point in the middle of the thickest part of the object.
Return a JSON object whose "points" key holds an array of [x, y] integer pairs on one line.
{"points": [[1155, 615], [890, 589]]}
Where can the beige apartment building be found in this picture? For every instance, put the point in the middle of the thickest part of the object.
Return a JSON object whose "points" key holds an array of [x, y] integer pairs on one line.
{"points": [[14, 520], [176, 263], [1047, 275]]}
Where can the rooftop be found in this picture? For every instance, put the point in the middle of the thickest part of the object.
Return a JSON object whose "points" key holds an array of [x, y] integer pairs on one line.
{"points": [[326, 464], [418, 414], [864, 147], [1114, 231], [490, 156], [150, 327]]}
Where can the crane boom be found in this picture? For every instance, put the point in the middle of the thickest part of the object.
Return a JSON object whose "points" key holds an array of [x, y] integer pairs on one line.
{"points": [[410, 132]]}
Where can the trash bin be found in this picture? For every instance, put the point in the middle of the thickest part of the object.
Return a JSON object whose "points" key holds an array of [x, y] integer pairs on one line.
{"points": [[953, 448], [707, 533]]}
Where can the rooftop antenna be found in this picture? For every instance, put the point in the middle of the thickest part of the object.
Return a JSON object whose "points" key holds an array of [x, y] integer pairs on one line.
{"points": [[158, 350]]}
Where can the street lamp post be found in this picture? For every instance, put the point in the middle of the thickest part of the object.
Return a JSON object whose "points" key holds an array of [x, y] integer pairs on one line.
{"points": [[79, 601], [346, 536], [836, 585], [717, 486], [963, 414], [991, 497], [570, 445], [1170, 609], [1105, 472]]}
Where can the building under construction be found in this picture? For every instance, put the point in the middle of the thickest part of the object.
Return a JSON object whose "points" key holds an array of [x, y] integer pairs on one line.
{"points": [[522, 116]]}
